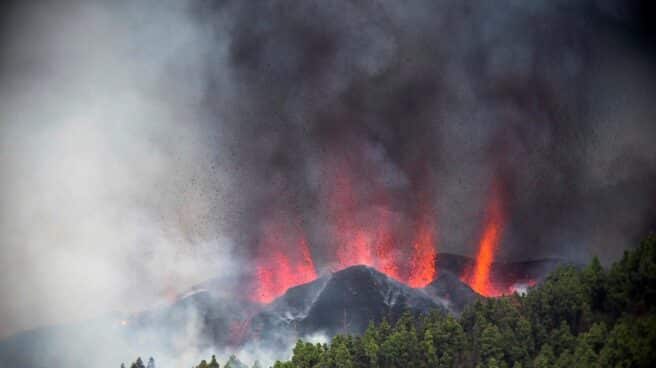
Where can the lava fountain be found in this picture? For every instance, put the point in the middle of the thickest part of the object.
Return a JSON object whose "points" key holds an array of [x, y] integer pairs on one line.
{"points": [[368, 231], [422, 263], [478, 277], [283, 261], [366, 227]]}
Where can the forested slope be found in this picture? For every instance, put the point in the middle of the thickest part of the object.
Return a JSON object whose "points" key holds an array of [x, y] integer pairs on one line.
{"points": [[588, 317]]}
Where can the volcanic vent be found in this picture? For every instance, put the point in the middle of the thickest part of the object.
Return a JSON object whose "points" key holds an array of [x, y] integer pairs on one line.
{"points": [[402, 246]]}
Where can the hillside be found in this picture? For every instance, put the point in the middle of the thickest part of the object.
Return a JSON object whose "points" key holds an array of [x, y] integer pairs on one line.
{"points": [[578, 317]]}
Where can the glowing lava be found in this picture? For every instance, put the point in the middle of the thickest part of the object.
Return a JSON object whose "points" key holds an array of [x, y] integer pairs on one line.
{"points": [[479, 277], [371, 244], [365, 226], [284, 261], [422, 263], [370, 234], [385, 252]]}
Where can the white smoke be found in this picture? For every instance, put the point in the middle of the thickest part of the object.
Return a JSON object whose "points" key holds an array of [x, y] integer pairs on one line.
{"points": [[108, 180]]}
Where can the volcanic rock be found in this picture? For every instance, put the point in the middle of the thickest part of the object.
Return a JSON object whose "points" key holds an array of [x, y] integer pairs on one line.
{"points": [[448, 288], [344, 302]]}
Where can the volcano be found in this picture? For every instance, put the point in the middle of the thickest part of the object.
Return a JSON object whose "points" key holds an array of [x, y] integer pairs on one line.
{"points": [[362, 227], [453, 293], [343, 302]]}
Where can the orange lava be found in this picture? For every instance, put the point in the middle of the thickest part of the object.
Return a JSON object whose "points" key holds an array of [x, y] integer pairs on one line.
{"points": [[479, 277], [283, 262], [364, 228], [369, 244], [385, 253], [422, 263], [366, 234]]}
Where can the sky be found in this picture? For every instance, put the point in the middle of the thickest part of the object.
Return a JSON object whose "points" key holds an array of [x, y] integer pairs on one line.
{"points": [[144, 144]]}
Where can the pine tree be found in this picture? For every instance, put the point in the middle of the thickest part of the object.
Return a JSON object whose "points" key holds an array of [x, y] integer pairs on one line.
{"points": [[233, 362], [491, 341], [594, 279], [596, 336], [492, 363], [561, 339], [138, 363], [384, 330], [545, 358], [213, 363], [584, 355], [336, 353], [305, 355], [370, 345], [565, 359], [428, 346]]}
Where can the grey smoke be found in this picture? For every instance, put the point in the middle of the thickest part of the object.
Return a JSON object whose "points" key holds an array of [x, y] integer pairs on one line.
{"points": [[550, 99], [111, 194]]}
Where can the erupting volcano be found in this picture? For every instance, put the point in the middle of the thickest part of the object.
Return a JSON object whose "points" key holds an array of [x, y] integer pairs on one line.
{"points": [[365, 226], [368, 231]]}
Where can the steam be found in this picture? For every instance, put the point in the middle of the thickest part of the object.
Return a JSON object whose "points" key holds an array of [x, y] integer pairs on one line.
{"points": [[110, 186], [145, 145]]}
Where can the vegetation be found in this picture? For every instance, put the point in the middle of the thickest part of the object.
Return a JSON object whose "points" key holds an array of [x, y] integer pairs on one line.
{"points": [[587, 317]]}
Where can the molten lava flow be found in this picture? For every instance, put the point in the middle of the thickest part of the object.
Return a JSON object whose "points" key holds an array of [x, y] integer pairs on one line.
{"points": [[283, 262], [422, 263], [479, 277]]}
